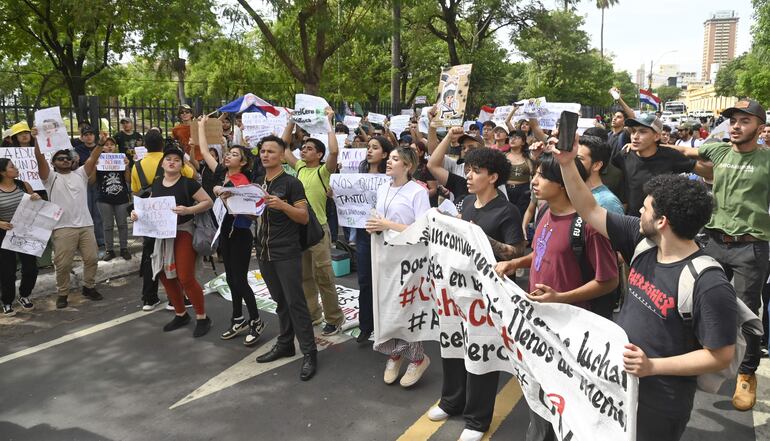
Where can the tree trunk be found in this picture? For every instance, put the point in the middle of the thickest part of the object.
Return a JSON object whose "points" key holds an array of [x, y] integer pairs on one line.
{"points": [[395, 74], [180, 68], [601, 36], [311, 88], [77, 87]]}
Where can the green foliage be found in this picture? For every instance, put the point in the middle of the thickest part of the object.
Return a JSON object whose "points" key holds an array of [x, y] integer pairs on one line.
{"points": [[726, 83], [668, 93]]}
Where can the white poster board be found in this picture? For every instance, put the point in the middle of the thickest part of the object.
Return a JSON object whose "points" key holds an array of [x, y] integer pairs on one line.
{"points": [[155, 218], [350, 158], [139, 153], [310, 113], [24, 159], [355, 196], [32, 223], [51, 132], [352, 122], [111, 162], [246, 199], [399, 124], [376, 118]]}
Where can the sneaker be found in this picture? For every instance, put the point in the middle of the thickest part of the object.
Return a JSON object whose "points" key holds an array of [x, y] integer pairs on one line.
{"points": [[100, 254], [177, 322], [61, 302], [108, 255], [392, 368], [318, 321], [330, 329], [414, 372], [202, 327], [363, 336], [187, 303], [255, 331], [745, 392], [149, 305], [8, 311], [92, 294], [236, 327], [471, 435], [436, 413], [26, 303], [125, 254]]}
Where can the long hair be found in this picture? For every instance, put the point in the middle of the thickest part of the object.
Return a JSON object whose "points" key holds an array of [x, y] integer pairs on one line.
{"points": [[246, 155], [387, 147]]}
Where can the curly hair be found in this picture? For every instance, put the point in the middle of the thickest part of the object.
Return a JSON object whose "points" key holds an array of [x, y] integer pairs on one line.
{"points": [[550, 169], [686, 204], [493, 160]]}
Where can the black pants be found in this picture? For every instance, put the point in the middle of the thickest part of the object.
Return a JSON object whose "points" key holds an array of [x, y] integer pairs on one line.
{"points": [[149, 283], [746, 265], [364, 270], [520, 196], [331, 219], [766, 312], [285, 287], [653, 425], [8, 273], [468, 394], [235, 249]]}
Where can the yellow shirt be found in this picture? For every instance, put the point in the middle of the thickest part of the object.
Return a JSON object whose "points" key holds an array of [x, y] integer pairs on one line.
{"points": [[150, 166]]}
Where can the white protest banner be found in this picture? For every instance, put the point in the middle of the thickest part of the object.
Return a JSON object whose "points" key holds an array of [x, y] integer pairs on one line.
{"points": [[376, 118], [246, 199], [501, 113], [436, 281], [355, 196], [584, 124], [155, 218], [139, 153], [350, 159], [453, 93], [32, 223], [220, 211], [111, 162], [52, 134], [409, 112], [256, 125], [422, 99], [310, 113], [24, 159], [424, 121], [721, 131], [352, 122], [553, 112], [399, 124]]}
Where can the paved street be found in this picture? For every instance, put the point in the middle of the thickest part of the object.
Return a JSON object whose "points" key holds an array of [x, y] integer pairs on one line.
{"points": [[105, 371]]}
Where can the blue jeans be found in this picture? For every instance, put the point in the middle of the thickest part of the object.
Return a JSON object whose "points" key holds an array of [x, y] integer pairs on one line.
{"points": [[364, 270], [93, 208]]}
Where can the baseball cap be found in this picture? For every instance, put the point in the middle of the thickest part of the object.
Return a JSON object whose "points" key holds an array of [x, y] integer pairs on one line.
{"points": [[501, 127], [183, 107], [648, 120], [124, 120], [173, 151], [475, 138], [747, 106], [86, 128]]}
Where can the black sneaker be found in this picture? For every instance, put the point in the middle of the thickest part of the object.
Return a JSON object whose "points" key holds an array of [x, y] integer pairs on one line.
{"points": [[363, 336], [108, 255], [91, 294], [61, 302], [177, 322], [8, 311], [125, 254], [26, 303], [236, 327], [187, 303], [202, 327], [330, 329], [255, 331]]}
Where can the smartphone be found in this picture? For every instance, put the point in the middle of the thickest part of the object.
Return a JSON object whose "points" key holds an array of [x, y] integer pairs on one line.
{"points": [[567, 128]]}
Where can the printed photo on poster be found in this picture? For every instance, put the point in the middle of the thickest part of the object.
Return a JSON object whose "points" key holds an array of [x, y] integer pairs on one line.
{"points": [[453, 94]]}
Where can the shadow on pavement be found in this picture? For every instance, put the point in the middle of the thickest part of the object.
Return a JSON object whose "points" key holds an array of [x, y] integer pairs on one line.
{"points": [[12, 431]]}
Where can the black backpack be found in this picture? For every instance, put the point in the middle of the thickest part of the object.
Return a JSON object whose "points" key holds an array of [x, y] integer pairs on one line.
{"points": [[146, 186]]}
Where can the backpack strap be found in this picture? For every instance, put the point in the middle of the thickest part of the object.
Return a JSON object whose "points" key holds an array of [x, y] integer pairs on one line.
{"points": [[578, 244], [641, 247], [318, 170], [687, 281], [142, 177]]}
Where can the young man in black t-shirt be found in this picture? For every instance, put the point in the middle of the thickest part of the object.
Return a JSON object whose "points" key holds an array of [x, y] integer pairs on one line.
{"points": [[280, 255], [674, 210], [450, 179]]}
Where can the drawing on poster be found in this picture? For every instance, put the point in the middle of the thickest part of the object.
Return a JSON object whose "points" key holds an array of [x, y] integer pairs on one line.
{"points": [[453, 94]]}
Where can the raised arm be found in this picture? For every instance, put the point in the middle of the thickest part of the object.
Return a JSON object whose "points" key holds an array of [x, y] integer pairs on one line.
{"points": [[43, 168], [334, 148], [508, 119], [436, 160], [537, 131], [90, 166], [690, 152], [432, 136], [288, 156], [203, 144]]}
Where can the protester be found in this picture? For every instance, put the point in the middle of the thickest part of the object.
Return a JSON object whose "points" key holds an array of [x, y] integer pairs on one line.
{"points": [[462, 392], [280, 255], [739, 228], [143, 175], [594, 154], [422, 174], [21, 136], [659, 352], [487, 133], [12, 190], [173, 260], [765, 136], [399, 205], [501, 139], [113, 202], [83, 147], [235, 240], [210, 177], [317, 272], [686, 138], [75, 229], [127, 139], [438, 165], [182, 132], [619, 136], [517, 184]]}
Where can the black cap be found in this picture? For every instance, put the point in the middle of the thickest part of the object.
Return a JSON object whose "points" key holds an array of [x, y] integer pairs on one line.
{"points": [[86, 128], [750, 107], [173, 151], [124, 120]]}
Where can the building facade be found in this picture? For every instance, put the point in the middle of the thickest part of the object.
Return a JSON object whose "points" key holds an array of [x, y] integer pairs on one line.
{"points": [[719, 41]]}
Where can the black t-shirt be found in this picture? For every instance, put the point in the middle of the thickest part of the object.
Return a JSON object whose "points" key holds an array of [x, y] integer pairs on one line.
{"points": [[651, 319], [210, 179], [112, 187], [638, 171], [127, 143], [458, 185], [183, 191], [499, 218], [278, 236]]}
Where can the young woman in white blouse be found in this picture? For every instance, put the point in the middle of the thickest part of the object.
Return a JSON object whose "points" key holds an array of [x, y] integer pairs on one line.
{"points": [[398, 206]]}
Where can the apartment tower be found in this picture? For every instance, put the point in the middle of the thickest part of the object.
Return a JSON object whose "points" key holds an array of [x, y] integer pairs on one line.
{"points": [[719, 36]]}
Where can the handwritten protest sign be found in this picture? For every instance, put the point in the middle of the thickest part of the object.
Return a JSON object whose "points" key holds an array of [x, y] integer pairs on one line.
{"points": [[500, 115], [376, 118], [399, 124], [256, 126], [553, 112], [453, 94], [584, 124], [139, 153], [155, 217], [352, 121], [436, 281], [355, 195], [350, 159], [310, 114], [722, 131], [24, 159], [111, 162], [213, 132], [424, 121], [32, 223], [52, 133], [246, 199]]}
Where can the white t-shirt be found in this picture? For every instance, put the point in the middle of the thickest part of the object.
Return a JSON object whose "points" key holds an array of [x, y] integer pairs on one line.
{"points": [[403, 204], [451, 165], [70, 192], [692, 142]]}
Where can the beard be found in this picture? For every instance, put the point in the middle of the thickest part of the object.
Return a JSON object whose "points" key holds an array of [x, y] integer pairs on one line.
{"points": [[647, 229], [746, 138]]}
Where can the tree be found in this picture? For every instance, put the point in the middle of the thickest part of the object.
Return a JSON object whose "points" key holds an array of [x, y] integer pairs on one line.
{"points": [[668, 93], [603, 5], [395, 78], [628, 90], [726, 83]]}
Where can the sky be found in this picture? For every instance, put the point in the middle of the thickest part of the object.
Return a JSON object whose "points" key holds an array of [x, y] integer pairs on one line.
{"points": [[639, 31]]}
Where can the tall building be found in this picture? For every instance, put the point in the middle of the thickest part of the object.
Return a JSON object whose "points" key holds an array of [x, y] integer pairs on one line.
{"points": [[719, 34], [641, 77]]}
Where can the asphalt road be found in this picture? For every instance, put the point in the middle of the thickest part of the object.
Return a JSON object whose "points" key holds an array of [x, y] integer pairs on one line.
{"points": [[106, 371]]}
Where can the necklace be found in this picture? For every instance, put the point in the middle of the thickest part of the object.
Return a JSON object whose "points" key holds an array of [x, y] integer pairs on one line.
{"points": [[387, 204]]}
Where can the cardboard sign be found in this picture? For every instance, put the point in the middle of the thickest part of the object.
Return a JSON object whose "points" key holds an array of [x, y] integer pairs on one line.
{"points": [[111, 162], [355, 196], [213, 132], [155, 217], [51, 134], [453, 94], [32, 223], [24, 159]]}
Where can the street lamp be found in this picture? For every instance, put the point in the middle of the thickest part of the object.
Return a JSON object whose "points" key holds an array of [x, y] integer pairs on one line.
{"points": [[658, 62]]}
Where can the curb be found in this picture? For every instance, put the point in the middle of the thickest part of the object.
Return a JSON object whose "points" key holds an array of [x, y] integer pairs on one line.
{"points": [[118, 267]]}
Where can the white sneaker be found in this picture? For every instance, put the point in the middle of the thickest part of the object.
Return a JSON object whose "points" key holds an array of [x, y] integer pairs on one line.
{"points": [[436, 413], [392, 368], [150, 306], [414, 372], [471, 435], [169, 306]]}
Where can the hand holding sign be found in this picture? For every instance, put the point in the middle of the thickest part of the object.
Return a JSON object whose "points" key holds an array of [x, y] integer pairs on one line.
{"points": [[245, 199]]}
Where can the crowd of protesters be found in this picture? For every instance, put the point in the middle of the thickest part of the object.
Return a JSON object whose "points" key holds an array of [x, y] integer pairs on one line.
{"points": [[654, 199]]}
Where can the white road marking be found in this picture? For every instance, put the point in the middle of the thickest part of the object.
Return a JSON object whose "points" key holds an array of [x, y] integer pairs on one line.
{"points": [[249, 368], [76, 335]]}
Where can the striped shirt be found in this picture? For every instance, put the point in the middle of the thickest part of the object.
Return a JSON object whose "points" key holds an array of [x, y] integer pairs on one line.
{"points": [[8, 202]]}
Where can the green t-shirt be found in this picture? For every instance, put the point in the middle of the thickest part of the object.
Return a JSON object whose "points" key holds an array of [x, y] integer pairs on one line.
{"points": [[741, 190], [316, 181]]}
